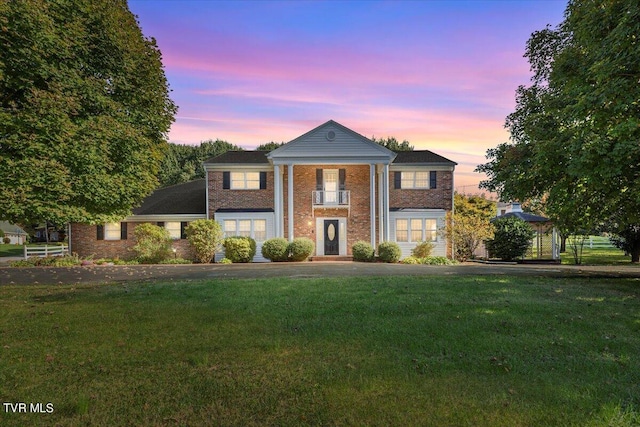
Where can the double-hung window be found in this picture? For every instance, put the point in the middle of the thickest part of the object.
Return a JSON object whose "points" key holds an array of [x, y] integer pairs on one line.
{"points": [[245, 180], [112, 231], [416, 230], [254, 228], [412, 180]]}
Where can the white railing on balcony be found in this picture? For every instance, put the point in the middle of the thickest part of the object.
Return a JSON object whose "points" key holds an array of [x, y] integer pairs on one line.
{"points": [[338, 198]]}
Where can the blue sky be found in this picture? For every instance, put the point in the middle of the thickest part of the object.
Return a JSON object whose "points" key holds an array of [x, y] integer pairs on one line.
{"points": [[441, 74]]}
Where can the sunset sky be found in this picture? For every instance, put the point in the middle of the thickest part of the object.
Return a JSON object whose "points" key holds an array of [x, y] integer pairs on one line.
{"points": [[441, 74]]}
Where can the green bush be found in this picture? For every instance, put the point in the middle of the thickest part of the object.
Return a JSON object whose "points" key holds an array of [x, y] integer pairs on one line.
{"points": [[57, 261], [276, 249], [6, 240], [301, 248], [389, 252], [153, 243], [437, 260], [411, 260], [363, 251], [177, 261], [239, 248], [225, 261], [511, 239], [422, 250], [205, 237]]}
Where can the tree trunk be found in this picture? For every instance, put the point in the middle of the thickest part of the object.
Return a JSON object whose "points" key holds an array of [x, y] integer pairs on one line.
{"points": [[635, 256]]}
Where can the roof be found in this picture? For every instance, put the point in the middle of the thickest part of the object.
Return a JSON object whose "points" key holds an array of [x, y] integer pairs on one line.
{"points": [[9, 228], [421, 156], [524, 216], [246, 157], [331, 143], [187, 198]]}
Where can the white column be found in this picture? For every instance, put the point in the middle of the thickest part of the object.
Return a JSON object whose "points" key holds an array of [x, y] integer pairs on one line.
{"points": [[372, 204], [290, 201], [386, 202], [277, 199], [380, 206]]}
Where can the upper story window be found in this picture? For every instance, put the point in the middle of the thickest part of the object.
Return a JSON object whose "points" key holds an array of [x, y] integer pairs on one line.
{"points": [[415, 180], [244, 180]]}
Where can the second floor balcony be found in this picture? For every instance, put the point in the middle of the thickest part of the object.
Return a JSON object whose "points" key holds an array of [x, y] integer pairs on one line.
{"points": [[331, 199]]}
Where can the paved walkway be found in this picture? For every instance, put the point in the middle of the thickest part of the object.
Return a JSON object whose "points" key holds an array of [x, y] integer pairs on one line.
{"points": [[117, 274]]}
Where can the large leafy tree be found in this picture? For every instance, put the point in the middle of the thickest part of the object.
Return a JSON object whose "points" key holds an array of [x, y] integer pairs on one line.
{"points": [[575, 132], [183, 163], [84, 110], [393, 144]]}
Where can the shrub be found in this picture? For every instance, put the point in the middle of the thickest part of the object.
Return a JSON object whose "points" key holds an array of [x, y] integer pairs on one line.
{"points": [[205, 237], [225, 261], [177, 261], [389, 252], [6, 240], [60, 261], [437, 260], [301, 248], [153, 243], [512, 238], [411, 260], [239, 248], [363, 251], [276, 249], [422, 250]]}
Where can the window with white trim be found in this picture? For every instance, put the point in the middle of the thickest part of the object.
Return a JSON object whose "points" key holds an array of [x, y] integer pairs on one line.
{"points": [[416, 230], [245, 180], [254, 228], [174, 229], [415, 179], [112, 231]]}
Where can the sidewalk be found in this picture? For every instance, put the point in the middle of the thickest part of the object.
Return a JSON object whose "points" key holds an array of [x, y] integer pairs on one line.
{"points": [[120, 274]]}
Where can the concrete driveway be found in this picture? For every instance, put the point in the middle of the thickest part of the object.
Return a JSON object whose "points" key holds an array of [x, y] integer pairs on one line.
{"points": [[116, 274]]}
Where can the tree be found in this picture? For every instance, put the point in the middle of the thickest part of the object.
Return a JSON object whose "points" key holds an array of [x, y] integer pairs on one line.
{"points": [[205, 237], [84, 111], [269, 146], [469, 225], [511, 239], [183, 163], [575, 130], [392, 144]]}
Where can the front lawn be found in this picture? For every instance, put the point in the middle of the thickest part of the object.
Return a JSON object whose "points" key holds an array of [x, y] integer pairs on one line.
{"points": [[481, 351], [11, 250]]}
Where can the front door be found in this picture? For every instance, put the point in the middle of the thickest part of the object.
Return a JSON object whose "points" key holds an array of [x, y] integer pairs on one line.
{"points": [[331, 237]]}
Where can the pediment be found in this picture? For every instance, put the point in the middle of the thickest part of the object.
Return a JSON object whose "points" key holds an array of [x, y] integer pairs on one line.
{"points": [[332, 142]]}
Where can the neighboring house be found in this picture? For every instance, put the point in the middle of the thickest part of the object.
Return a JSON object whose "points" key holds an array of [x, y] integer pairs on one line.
{"points": [[331, 185], [16, 235]]}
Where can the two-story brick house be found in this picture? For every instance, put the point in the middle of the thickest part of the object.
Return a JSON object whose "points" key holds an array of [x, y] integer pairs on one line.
{"points": [[331, 185]]}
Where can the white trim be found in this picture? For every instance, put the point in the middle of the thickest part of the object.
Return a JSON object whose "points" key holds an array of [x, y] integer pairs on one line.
{"points": [[290, 201], [342, 234], [420, 167], [165, 218], [206, 188], [334, 160], [270, 225], [238, 167], [385, 194], [372, 203], [277, 200], [440, 246]]}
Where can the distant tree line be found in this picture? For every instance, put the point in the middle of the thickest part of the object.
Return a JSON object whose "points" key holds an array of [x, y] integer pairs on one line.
{"points": [[183, 163]]}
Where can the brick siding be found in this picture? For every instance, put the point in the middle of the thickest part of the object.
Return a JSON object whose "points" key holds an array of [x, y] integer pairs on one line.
{"points": [[438, 198], [238, 199]]}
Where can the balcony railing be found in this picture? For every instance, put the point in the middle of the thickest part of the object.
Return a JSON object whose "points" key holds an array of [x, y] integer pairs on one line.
{"points": [[331, 198]]}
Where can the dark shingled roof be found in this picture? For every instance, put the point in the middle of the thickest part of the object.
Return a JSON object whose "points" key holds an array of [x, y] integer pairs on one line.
{"points": [[421, 156], [524, 216], [187, 198], [248, 157]]}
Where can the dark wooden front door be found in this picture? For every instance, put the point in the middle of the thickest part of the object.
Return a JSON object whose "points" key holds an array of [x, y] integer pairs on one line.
{"points": [[331, 237]]}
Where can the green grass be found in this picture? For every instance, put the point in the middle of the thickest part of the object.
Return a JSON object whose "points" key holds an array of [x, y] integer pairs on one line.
{"points": [[598, 256], [11, 250], [480, 351]]}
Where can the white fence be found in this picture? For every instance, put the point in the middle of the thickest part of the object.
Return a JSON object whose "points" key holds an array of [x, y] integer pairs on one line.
{"points": [[45, 251]]}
